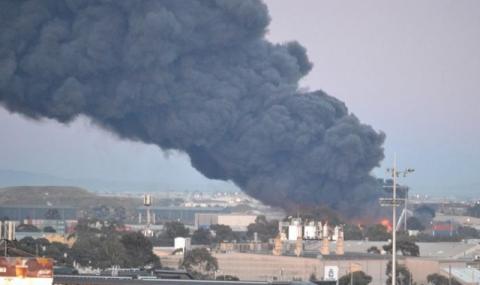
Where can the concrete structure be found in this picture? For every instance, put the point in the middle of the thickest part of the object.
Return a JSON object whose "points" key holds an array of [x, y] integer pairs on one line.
{"points": [[244, 247], [325, 248], [238, 222], [460, 220], [438, 250], [147, 203], [277, 246], [182, 243], [7, 230], [164, 278], [184, 215], [468, 276], [205, 220], [310, 231], [298, 246], [267, 267], [52, 237], [60, 226], [295, 232], [340, 247], [422, 267]]}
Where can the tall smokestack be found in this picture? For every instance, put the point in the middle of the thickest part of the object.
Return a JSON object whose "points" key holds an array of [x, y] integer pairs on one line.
{"points": [[194, 76], [298, 246], [325, 247], [277, 245], [340, 246]]}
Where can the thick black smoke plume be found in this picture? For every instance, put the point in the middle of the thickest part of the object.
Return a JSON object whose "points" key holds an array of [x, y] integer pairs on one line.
{"points": [[194, 76]]}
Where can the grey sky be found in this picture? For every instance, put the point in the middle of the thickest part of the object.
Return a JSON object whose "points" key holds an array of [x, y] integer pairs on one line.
{"points": [[410, 69]]}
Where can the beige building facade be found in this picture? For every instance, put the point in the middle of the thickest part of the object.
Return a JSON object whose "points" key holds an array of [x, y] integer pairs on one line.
{"points": [[267, 267]]}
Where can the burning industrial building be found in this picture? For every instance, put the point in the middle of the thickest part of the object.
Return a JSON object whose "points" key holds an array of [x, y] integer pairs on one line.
{"points": [[197, 77], [302, 231]]}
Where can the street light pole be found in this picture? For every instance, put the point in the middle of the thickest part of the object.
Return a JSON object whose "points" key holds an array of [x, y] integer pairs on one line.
{"points": [[394, 222], [395, 173], [405, 210]]}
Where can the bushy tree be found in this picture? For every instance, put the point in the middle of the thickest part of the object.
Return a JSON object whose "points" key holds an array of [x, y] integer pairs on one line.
{"points": [[107, 213], [111, 252], [176, 229], [86, 249], [406, 247], [377, 232], [403, 275], [355, 278], [60, 252], [101, 245], [139, 250], [373, 250], [352, 232], [202, 236], [27, 244], [170, 232], [99, 251], [265, 229], [437, 279], [27, 228], [49, 229], [200, 263], [222, 233]]}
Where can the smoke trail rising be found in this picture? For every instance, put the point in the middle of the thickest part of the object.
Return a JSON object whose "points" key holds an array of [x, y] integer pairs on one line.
{"points": [[194, 76]]}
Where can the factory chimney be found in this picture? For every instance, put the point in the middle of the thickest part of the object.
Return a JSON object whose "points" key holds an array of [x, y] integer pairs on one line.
{"points": [[340, 248], [325, 250], [299, 246], [277, 246]]}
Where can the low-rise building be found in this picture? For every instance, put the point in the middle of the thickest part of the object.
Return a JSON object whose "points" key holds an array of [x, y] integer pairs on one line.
{"points": [[238, 222]]}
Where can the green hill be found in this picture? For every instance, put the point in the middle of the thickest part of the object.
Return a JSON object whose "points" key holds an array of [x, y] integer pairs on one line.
{"points": [[59, 196]]}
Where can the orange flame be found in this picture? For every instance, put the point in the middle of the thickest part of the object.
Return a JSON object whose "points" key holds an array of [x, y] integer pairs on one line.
{"points": [[386, 223]]}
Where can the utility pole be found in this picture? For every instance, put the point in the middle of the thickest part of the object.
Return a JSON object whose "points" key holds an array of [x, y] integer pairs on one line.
{"points": [[394, 222], [406, 210], [394, 203], [449, 274]]}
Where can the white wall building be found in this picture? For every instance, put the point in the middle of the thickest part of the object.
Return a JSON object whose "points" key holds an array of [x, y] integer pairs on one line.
{"points": [[182, 243]]}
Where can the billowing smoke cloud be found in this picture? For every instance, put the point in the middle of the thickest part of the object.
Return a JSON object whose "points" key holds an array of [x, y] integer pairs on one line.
{"points": [[194, 76]]}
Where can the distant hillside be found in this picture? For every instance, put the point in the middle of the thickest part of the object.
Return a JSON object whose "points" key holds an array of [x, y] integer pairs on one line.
{"points": [[59, 196], [10, 178]]}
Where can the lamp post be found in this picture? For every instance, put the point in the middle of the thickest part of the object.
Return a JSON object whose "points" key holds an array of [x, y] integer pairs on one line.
{"points": [[394, 203]]}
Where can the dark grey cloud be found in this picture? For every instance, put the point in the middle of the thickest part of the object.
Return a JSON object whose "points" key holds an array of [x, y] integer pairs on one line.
{"points": [[195, 76]]}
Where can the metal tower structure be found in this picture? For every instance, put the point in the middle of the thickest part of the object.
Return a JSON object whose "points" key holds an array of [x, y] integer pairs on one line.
{"points": [[394, 202]]}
